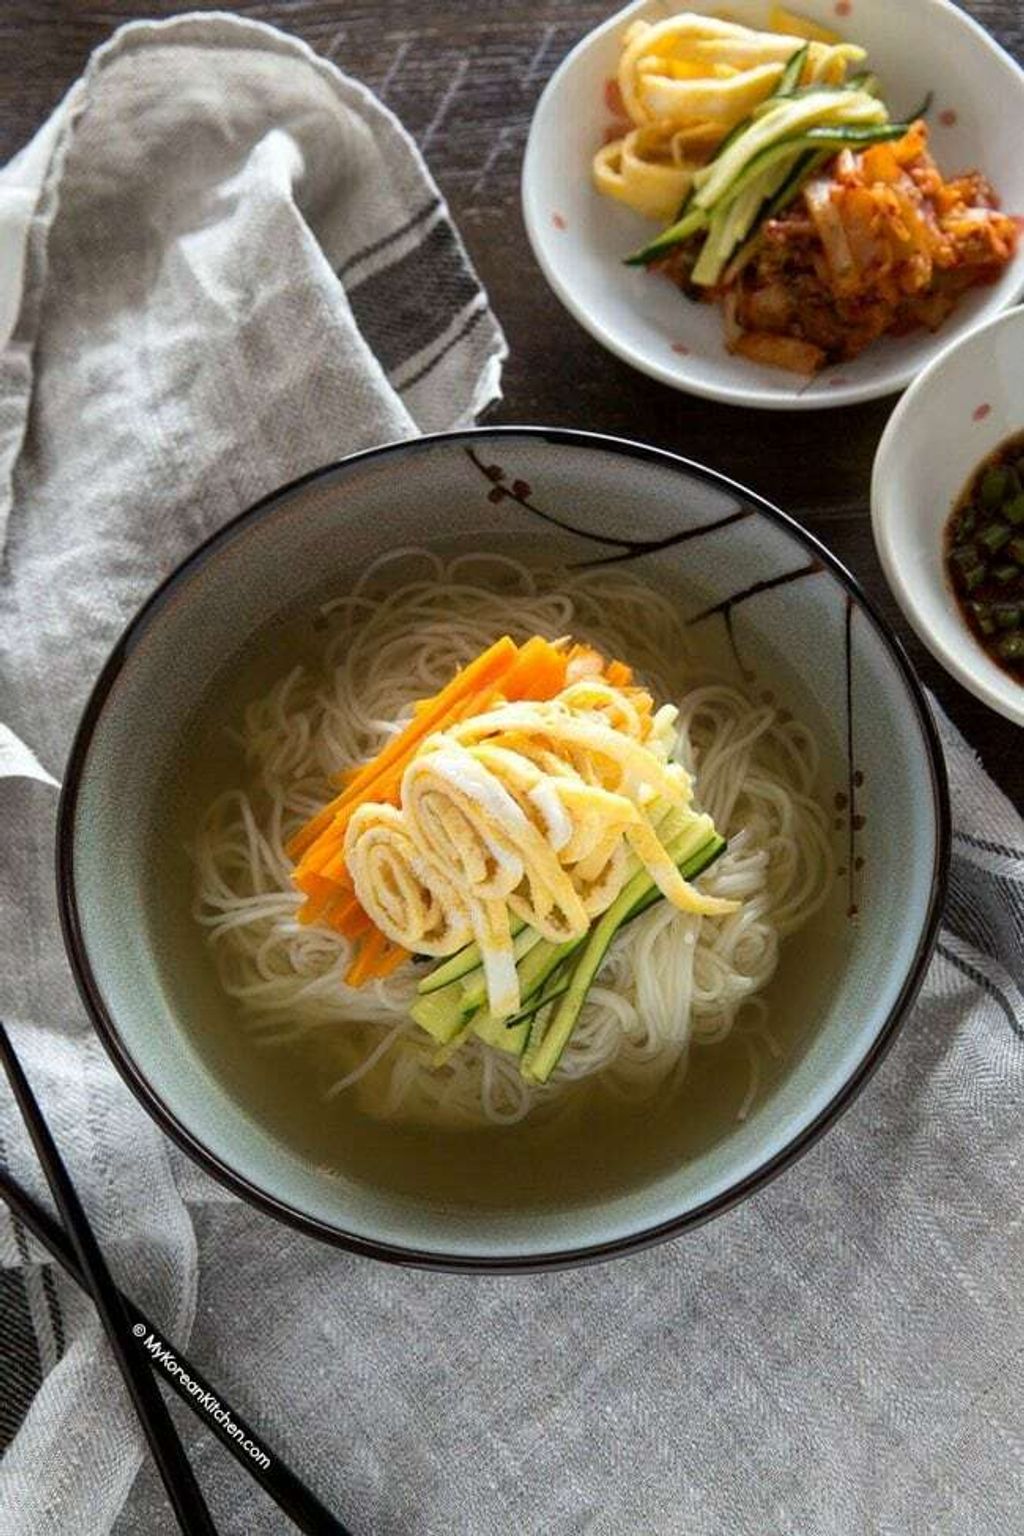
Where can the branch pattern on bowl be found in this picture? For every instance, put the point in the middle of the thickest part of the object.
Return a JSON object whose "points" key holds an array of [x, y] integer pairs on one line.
{"points": [[506, 486], [629, 549]]}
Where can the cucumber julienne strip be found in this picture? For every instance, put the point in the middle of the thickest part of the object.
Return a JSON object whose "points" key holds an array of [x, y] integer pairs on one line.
{"points": [[691, 223], [542, 1014], [789, 120], [440, 1014], [643, 904], [801, 172], [684, 205], [790, 77], [739, 129], [537, 1004], [824, 141], [734, 218], [452, 1011], [767, 172], [828, 136], [924, 107], [865, 81], [788, 82], [855, 133], [544, 1053], [468, 960], [795, 118], [534, 974]]}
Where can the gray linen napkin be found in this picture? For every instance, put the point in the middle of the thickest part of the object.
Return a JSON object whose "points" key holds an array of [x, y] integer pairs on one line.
{"points": [[222, 263], [842, 1354]]}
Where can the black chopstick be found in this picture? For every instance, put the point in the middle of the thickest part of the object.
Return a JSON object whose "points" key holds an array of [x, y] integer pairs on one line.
{"points": [[207, 1402], [172, 1463]]}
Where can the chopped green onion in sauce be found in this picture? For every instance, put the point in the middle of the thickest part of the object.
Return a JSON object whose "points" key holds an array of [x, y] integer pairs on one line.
{"points": [[984, 548]]}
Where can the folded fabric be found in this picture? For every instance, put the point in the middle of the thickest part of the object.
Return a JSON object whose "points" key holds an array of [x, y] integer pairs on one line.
{"points": [[222, 264]]}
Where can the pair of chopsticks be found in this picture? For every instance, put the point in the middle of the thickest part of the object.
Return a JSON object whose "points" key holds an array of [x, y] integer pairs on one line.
{"points": [[76, 1249]]}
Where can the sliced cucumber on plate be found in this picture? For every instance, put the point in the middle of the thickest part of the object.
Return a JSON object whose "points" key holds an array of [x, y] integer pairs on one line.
{"points": [[761, 166]]}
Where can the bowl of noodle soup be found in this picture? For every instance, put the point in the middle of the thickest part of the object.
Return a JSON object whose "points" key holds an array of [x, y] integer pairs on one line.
{"points": [[710, 1048]]}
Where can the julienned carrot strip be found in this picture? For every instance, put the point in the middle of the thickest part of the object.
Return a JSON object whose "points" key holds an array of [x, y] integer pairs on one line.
{"points": [[618, 674], [537, 673], [370, 952], [487, 668], [320, 895], [497, 659], [377, 957], [311, 884], [391, 959], [430, 715], [324, 856], [347, 916], [357, 925], [333, 867]]}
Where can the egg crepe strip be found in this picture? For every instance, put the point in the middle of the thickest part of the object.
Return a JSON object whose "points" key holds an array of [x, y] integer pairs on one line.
{"points": [[684, 83], [539, 811], [537, 669]]}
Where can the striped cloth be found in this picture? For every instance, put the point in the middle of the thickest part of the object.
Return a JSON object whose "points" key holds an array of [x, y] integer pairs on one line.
{"points": [[247, 272], [222, 264]]}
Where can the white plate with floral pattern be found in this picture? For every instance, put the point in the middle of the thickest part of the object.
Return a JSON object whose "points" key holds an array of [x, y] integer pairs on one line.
{"points": [[580, 237]]}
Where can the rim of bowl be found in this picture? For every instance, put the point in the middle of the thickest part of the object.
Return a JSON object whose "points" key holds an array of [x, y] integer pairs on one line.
{"points": [[496, 1263], [905, 586], [892, 383]]}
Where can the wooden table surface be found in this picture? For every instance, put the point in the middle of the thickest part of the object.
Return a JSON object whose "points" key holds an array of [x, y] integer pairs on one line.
{"points": [[464, 78]]}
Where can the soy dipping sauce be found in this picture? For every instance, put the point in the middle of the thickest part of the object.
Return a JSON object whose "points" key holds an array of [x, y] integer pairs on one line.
{"points": [[984, 548]]}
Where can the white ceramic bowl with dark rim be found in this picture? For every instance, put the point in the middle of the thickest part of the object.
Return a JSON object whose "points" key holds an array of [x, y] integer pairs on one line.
{"points": [[580, 238], [958, 412], [755, 589]]}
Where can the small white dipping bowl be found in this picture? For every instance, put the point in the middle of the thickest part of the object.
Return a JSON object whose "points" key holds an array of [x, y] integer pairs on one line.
{"points": [[580, 237], [962, 407]]}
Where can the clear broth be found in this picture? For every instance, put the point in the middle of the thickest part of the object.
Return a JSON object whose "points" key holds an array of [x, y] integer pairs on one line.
{"points": [[596, 1147]]}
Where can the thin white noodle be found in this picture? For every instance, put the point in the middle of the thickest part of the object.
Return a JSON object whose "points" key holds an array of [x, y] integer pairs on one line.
{"points": [[669, 981]]}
